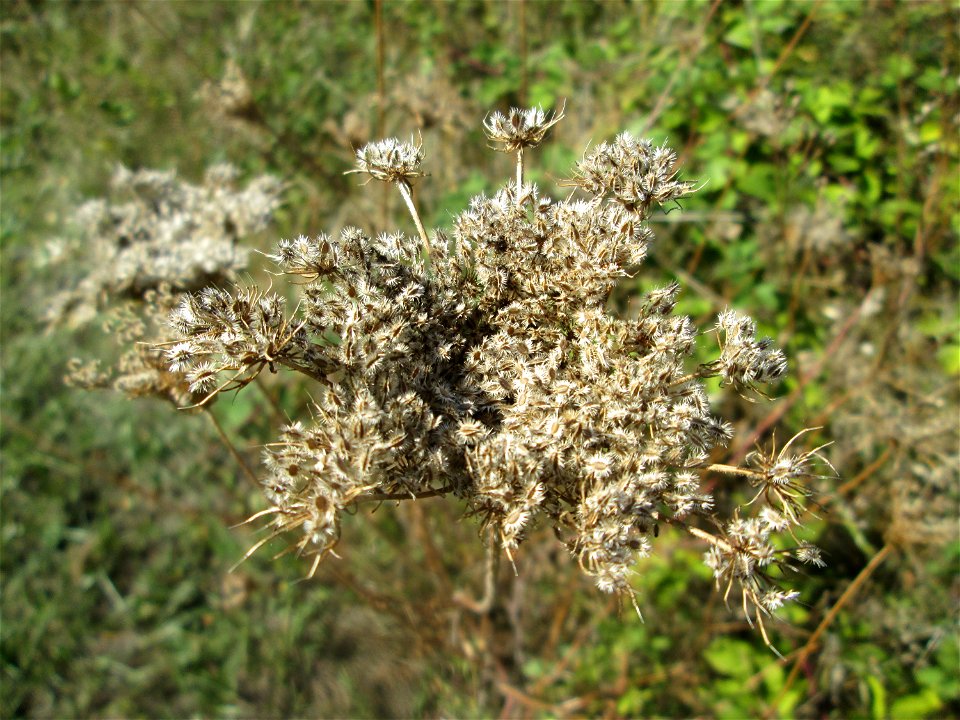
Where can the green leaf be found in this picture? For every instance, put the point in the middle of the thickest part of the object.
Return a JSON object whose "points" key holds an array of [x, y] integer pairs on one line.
{"points": [[949, 358], [930, 132], [759, 181], [789, 701], [878, 697], [740, 35], [865, 142], [920, 705], [733, 658], [632, 701]]}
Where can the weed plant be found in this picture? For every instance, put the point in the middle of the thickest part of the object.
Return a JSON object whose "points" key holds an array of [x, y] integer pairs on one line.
{"points": [[484, 365], [825, 138]]}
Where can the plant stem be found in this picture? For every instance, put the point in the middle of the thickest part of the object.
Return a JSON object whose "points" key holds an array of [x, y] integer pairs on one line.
{"points": [[293, 365], [230, 446], [848, 594], [381, 98], [381, 92], [381, 497], [686, 379], [408, 199], [733, 470], [277, 411], [697, 532], [492, 564], [519, 173], [524, 72]]}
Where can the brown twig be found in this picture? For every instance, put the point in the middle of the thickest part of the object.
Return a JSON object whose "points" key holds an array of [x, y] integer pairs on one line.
{"points": [[784, 55], [431, 554], [681, 68], [491, 565], [809, 376], [383, 497], [381, 100], [866, 472], [230, 446], [524, 71], [847, 595], [279, 416]]}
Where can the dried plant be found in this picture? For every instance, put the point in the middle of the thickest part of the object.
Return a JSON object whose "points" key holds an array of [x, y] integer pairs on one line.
{"points": [[482, 363], [154, 239]]}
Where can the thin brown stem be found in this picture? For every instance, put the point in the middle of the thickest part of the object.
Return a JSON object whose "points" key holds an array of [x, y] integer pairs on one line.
{"points": [[519, 173], [381, 98], [809, 376], [278, 415], [431, 553], [690, 376], [230, 446], [784, 55], [733, 470], [866, 472], [524, 71], [309, 372], [381, 91], [848, 594], [491, 565], [384, 497], [697, 532], [682, 67]]}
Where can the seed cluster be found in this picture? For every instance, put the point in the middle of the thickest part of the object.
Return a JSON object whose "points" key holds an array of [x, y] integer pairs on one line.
{"points": [[481, 362], [157, 229], [154, 238]]}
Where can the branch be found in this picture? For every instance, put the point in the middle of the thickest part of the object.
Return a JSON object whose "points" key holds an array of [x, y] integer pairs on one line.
{"points": [[382, 497]]}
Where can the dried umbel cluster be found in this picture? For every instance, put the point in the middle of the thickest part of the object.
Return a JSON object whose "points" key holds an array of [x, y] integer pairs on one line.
{"points": [[158, 230], [156, 238], [142, 370], [482, 363]]}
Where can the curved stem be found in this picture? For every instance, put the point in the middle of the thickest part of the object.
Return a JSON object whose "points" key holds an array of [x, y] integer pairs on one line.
{"points": [[848, 594], [276, 410], [491, 565]]}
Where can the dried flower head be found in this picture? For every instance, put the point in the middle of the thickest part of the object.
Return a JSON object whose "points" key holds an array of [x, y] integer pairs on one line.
{"points": [[633, 172], [520, 128], [744, 361], [743, 555], [140, 250], [391, 161], [781, 477], [484, 364], [157, 229]]}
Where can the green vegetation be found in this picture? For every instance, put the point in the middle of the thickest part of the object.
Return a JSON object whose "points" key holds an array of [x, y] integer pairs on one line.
{"points": [[825, 138]]}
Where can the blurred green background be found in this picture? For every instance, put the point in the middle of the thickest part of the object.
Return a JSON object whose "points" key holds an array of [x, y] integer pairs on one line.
{"points": [[824, 138]]}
